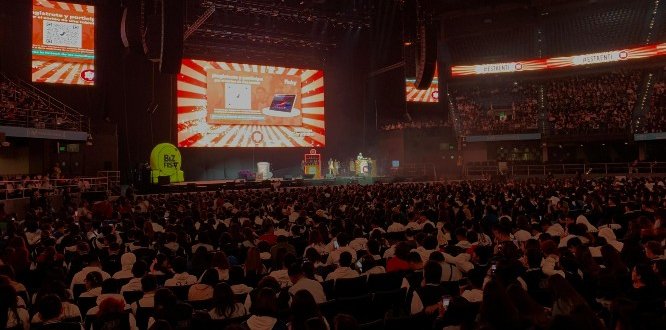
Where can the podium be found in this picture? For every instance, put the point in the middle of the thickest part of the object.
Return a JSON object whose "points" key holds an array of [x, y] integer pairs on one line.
{"points": [[264, 171], [312, 164], [365, 167]]}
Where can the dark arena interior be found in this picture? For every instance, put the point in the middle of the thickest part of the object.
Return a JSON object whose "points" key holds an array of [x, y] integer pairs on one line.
{"points": [[332, 164]]}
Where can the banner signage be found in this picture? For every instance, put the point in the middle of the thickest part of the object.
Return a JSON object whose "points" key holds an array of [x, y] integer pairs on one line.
{"points": [[561, 62]]}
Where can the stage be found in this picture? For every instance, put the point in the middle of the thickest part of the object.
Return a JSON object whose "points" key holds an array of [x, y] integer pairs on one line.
{"points": [[241, 184]]}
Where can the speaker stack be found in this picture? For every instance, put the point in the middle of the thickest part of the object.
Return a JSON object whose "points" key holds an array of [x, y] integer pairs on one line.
{"points": [[155, 29], [171, 52], [421, 30], [132, 25]]}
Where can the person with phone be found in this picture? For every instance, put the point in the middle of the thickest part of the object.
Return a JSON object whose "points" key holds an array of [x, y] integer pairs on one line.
{"points": [[446, 301], [341, 245], [367, 265]]}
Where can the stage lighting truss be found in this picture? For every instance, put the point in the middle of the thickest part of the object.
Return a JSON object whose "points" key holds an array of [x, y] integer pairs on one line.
{"points": [[282, 40], [313, 57], [275, 25], [354, 19]]}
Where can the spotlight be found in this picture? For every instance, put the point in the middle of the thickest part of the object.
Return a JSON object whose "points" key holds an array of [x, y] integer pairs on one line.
{"points": [[89, 140], [5, 144]]}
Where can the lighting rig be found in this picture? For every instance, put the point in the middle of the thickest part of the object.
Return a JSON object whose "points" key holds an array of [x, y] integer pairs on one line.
{"points": [[317, 25]]}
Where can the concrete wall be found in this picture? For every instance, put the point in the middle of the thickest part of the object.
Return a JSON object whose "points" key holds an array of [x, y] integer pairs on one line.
{"points": [[14, 160], [475, 152]]}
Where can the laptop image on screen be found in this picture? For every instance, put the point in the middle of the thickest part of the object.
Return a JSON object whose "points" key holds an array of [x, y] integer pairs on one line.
{"points": [[283, 102]]}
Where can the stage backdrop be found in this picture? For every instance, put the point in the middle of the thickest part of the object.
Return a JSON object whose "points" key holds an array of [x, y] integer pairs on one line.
{"points": [[63, 42], [224, 104]]}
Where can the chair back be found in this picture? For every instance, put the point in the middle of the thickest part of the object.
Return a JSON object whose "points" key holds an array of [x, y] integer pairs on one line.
{"points": [[77, 290], [329, 288], [350, 287], [116, 321], [384, 282], [56, 326], [180, 291], [86, 303], [143, 314], [356, 307], [132, 296], [201, 304], [388, 301], [240, 298]]}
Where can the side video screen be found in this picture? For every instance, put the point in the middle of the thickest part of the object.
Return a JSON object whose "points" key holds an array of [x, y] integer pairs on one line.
{"points": [[63, 43]]}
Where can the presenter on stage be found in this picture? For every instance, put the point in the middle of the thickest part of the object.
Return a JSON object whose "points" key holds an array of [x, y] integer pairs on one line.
{"points": [[331, 167]]}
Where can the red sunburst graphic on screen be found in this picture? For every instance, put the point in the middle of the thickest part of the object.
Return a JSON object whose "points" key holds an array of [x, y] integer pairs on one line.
{"points": [[195, 131]]}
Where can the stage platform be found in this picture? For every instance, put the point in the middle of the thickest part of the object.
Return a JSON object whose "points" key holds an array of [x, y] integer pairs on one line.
{"points": [[241, 184]]}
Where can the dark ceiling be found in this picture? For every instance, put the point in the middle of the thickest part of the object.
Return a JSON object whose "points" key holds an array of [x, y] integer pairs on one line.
{"points": [[275, 28], [311, 29]]}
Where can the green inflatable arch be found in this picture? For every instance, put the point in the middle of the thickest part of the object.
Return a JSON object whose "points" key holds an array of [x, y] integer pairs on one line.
{"points": [[165, 160]]}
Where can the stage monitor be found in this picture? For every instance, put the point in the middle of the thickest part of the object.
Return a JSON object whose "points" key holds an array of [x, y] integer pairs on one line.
{"points": [[63, 43], [429, 95], [222, 104]]}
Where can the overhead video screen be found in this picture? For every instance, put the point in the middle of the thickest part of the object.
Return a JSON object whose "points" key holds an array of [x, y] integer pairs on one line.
{"points": [[224, 104], [429, 95], [63, 43]]}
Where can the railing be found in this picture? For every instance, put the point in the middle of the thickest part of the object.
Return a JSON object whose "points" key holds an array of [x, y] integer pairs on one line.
{"points": [[53, 114], [453, 110], [113, 178], [568, 169], [417, 170], [549, 131], [26, 188], [503, 130], [44, 119]]}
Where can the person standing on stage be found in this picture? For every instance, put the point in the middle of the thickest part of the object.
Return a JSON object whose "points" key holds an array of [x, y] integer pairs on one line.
{"points": [[331, 168], [336, 167]]}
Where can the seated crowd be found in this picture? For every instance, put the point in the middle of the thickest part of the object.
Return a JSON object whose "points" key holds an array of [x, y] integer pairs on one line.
{"points": [[506, 108], [26, 186], [419, 124], [16, 105], [581, 104], [589, 104], [655, 119], [538, 254]]}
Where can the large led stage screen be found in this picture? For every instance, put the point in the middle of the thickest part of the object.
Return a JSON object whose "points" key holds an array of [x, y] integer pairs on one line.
{"points": [[428, 95], [223, 104], [63, 42]]}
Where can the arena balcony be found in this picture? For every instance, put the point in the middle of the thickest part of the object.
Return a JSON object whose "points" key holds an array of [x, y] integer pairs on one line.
{"points": [[27, 112]]}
